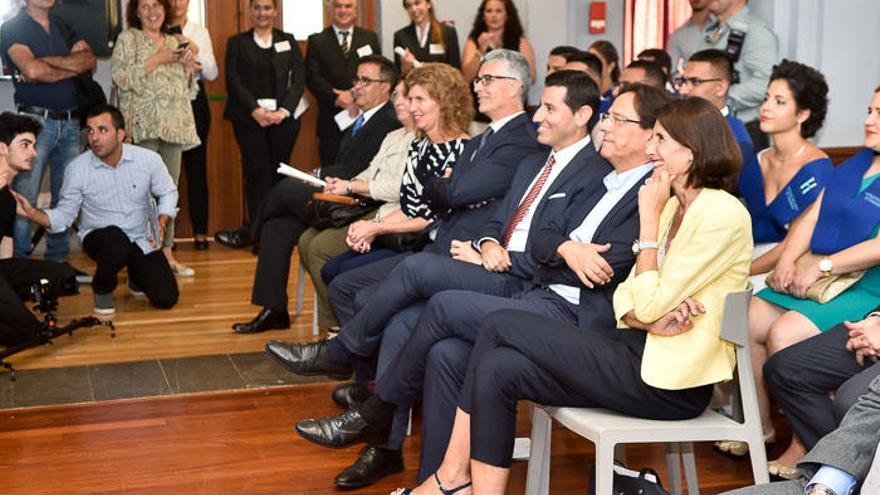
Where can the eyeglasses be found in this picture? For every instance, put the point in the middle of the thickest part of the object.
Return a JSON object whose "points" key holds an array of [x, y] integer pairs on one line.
{"points": [[693, 81], [617, 120], [488, 78], [366, 80]]}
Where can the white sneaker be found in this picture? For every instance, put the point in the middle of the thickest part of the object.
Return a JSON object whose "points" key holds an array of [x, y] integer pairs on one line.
{"points": [[182, 270]]}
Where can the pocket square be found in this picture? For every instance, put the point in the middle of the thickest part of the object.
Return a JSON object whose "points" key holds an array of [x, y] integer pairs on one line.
{"points": [[557, 196]]}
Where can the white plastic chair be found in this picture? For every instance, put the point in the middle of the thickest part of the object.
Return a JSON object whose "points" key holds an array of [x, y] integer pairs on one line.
{"points": [[608, 429]]}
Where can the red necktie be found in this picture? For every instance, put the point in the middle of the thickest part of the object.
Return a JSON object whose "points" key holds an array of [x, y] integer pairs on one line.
{"points": [[527, 201]]}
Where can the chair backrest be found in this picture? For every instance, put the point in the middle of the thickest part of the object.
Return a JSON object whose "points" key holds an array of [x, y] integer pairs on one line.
{"points": [[735, 329]]}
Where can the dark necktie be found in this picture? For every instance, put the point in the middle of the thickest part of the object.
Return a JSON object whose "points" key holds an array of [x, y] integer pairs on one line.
{"points": [[527, 201], [485, 138], [344, 44]]}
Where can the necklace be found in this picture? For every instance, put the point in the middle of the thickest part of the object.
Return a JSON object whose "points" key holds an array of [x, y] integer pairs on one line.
{"points": [[792, 157]]}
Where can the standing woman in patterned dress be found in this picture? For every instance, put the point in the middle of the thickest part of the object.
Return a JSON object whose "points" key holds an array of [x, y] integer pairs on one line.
{"points": [[154, 76], [441, 108]]}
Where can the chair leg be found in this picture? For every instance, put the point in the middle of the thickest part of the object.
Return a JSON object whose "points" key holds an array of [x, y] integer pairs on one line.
{"points": [[758, 456], [300, 289], [690, 468], [604, 467], [538, 477], [315, 329], [673, 467]]}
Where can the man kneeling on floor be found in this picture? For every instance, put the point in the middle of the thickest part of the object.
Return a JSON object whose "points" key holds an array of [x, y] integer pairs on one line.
{"points": [[113, 186]]}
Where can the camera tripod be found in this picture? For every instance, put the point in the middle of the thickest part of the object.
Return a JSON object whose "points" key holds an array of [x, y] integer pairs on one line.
{"points": [[49, 330]]}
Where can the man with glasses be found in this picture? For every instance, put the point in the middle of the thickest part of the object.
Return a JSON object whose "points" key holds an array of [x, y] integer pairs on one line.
{"points": [[754, 49], [284, 212], [709, 74], [471, 199], [331, 63]]}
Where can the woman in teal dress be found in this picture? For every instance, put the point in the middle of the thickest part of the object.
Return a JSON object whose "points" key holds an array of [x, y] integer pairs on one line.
{"points": [[841, 228]]}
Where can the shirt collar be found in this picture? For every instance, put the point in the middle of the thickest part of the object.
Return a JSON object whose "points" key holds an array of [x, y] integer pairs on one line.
{"points": [[625, 180], [338, 31], [498, 124], [725, 111], [369, 113], [566, 154], [259, 41], [126, 157], [713, 23]]}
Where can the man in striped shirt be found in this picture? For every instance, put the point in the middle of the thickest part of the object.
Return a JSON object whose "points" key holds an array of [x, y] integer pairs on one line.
{"points": [[112, 186]]}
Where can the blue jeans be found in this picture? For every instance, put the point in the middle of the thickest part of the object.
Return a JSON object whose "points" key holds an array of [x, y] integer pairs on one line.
{"points": [[57, 145]]}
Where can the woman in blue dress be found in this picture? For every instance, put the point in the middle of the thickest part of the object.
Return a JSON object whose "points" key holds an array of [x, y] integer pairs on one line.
{"points": [[840, 228], [782, 181]]}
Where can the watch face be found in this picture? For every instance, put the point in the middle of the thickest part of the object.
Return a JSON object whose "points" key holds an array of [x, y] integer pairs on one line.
{"points": [[825, 265], [636, 248]]}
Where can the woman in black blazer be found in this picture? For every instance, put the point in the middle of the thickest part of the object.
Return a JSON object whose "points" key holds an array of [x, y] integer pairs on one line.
{"points": [[425, 39], [265, 79]]}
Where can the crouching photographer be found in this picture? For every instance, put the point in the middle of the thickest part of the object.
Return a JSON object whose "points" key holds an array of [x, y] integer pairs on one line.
{"points": [[21, 279]]}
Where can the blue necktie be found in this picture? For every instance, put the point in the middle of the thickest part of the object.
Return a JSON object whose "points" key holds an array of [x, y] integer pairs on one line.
{"points": [[357, 125], [486, 136]]}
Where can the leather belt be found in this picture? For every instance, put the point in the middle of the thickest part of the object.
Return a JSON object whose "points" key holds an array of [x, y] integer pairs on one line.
{"points": [[47, 113]]}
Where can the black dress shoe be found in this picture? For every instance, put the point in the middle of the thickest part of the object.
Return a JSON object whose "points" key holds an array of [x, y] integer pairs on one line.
{"points": [[201, 245], [343, 430], [235, 239], [267, 319], [350, 394], [312, 358], [373, 464]]}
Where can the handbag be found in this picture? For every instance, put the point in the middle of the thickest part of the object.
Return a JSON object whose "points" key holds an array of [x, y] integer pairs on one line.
{"points": [[629, 482], [408, 241], [826, 288], [333, 211]]}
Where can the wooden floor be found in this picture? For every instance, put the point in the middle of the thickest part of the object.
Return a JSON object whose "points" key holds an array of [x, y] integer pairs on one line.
{"points": [[199, 324], [237, 442]]}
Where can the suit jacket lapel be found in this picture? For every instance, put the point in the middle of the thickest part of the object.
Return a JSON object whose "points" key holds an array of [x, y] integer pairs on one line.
{"points": [[279, 65], [627, 199], [334, 41]]}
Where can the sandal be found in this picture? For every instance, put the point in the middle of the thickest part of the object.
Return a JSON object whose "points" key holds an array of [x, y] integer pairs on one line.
{"points": [[444, 491], [737, 448], [776, 468]]}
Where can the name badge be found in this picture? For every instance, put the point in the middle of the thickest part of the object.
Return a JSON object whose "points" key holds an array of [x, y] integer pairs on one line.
{"points": [[283, 46], [365, 51], [436, 49]]}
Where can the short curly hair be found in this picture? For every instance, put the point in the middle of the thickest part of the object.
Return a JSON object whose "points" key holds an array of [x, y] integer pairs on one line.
{"points": [[810, 91], [446, 86], [133, 21]]}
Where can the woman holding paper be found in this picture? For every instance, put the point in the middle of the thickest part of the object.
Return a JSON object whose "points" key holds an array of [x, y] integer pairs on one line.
{"points": [[425, 39], [154, 76], [265, 78]]}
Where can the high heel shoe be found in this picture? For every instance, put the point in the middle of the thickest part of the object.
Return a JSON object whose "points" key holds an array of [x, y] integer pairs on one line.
{"points": [[737, 448], [781, 471], [444, 491]]}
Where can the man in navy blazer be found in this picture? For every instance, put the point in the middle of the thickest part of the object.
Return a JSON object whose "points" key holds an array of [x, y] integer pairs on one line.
{"points": [[582, 251]]}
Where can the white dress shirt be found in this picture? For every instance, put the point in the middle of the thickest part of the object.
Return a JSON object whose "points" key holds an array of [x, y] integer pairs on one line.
{"points": [[520, 234], [616, 187], [202, 39]]}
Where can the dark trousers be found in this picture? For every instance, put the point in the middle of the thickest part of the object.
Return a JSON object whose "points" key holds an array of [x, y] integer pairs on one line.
{"points": [[195, 167], [519, 355], [350, 260], [262, 148], [279, 236], [351, 290], [17, 323], [287, 198], [409, 337], [112, 251], [801, 377], [418, 277]]}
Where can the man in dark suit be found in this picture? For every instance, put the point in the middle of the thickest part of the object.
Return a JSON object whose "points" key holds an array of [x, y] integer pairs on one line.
{"points": [[265, 78], [480, 178], [284, 212], [331, 63], [843, 462], [582, 251]]}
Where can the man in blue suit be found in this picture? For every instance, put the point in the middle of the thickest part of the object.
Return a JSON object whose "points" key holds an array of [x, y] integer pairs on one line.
{"points": [[581, 252], [709, 74]]}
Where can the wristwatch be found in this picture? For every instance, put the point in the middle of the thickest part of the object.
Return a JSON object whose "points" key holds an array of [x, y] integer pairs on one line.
{"points": [[639, 246], [820, 489], [825, 266]]}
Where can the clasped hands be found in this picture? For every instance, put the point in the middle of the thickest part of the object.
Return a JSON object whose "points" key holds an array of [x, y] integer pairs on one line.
{"points": [[679, 320], [361, 235], [864, 338], [786, 278], [491, 255], [265, 118]]}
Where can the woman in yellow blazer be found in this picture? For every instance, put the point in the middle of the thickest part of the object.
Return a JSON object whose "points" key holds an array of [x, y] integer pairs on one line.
{"points": [[694, 247]]}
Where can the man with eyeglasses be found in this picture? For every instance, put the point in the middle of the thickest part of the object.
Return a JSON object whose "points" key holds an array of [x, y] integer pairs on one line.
{"points": [[390, 293], [284, 212], [709, 74], [754, 49]]}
